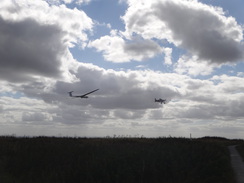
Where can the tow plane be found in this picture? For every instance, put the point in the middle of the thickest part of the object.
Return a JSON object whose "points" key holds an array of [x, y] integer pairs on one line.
{"points": [[81, 96], [160, 100]]}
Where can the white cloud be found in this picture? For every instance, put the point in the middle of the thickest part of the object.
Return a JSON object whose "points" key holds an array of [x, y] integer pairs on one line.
{"points": [[124, 102], [73, 22], [229, 84], [210, 38], [203, 30], [193, 66], [58, 2], [125, 97], [24, 110], [34, 116], [116, 49], [35, 37], [129, 94], [240, 74], [83, 1], [168, 56], [24, 53], [142, 49], [112, 48]]}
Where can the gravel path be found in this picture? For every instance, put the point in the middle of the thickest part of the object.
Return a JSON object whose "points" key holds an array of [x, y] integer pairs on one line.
{"points": [[237, 164]]}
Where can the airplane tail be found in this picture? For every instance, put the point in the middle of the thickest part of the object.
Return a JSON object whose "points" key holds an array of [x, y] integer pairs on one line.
{"points": [[70, 93]]}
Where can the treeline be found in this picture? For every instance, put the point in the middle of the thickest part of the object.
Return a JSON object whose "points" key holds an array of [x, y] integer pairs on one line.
{"points": [[114, 160]]}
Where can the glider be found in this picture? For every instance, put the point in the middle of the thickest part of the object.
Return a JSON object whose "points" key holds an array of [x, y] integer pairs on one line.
{"points": [[81, 96]]}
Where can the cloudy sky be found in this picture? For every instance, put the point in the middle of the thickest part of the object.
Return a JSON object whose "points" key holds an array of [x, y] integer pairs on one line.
{"points": [[189, 52]]}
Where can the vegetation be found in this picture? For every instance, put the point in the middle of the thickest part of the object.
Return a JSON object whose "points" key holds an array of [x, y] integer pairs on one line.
{"points": [[114, 160]]}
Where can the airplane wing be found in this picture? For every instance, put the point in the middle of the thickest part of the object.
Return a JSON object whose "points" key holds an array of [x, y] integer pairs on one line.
{"points": [[87, 93]]}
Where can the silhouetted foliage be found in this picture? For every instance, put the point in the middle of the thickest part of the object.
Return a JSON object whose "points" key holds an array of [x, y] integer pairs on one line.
{"points": [[113, 160]]}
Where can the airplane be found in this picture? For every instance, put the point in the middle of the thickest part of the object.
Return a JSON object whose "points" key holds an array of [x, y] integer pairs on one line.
{"points": [[160, 100], [81, 96]]}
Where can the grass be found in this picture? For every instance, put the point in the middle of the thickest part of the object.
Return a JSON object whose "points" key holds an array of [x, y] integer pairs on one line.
{"points": [[114, 160]]}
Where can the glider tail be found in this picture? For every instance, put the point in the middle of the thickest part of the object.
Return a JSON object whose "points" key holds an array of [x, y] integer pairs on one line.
{"points": [[70, 93]]}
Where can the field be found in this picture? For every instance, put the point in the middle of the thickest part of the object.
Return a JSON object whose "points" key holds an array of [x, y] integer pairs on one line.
{"points": [[115, 160]]}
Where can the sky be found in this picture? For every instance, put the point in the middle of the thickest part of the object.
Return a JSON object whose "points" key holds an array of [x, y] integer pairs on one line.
{"points": [[189, 52]]}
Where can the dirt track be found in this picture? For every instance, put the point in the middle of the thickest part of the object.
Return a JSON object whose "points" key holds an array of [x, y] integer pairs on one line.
{"points": [[237, 164]]}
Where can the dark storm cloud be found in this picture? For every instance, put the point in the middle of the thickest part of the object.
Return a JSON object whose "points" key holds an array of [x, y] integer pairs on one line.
{"points": [[28, 49], [202, 31]]}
